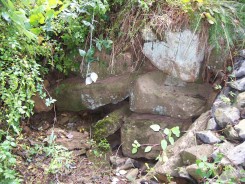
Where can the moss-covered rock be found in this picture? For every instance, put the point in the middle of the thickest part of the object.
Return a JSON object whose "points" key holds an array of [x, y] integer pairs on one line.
{"points": [[110, 124]]}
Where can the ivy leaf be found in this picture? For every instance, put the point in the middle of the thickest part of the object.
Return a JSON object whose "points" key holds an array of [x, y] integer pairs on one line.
{"points": [[134, 150], [176, 131], [155, 127], [164, 144], [171, 140], [148, 149]]}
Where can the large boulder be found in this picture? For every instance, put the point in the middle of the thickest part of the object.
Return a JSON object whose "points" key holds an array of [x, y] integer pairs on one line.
{"points": [[157, 93], [74, 95], [181, 55], [137, 127]]}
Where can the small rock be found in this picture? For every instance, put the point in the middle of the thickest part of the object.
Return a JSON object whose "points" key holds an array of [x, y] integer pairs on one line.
{"points": [[222, 148], [184, 174], [239, 70], [240, 128], [212, 125], [117, 161], [242, 53], [230, 173], [208, 137], [227, 115], [235, 156], [240, 101], [192, 170], [190, 155], [114, 180], [132, 174], [238, 84], [122, 172], [130, 163], [231, 133]]}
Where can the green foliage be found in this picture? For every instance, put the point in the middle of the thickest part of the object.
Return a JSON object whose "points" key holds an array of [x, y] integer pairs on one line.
{"points": [[60, 157], [210, 171], [226, 19], [99, 147], [8, 161]]}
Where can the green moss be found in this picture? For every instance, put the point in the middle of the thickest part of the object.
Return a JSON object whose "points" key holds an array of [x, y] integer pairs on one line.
{"points": [[110, 124]]}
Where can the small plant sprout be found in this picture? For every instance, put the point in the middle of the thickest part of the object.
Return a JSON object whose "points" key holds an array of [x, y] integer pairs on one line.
{"points": [[136, 145], [217, 87]]}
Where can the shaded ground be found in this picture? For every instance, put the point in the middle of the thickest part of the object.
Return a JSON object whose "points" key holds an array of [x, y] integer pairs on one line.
{"points": [[33, 146]]}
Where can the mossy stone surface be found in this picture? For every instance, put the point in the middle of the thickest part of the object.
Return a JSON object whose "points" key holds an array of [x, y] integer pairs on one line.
{"points": [[110, 124]]}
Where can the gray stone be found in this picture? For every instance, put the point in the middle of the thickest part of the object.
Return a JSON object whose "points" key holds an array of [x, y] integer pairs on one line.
{"points": [[238, 84], [242, 53], [156, 93], [212, 125], [227, 116], [186, 141], [117, 161], [137, 127], [130, 163], [110, 124], [192, 170], [240, 101], [183, 173], [190, 155], [208, 137], [132, 174], [180, 56], [239, 70], [235, 156], [240, 128], [231, 133], [231, 173], [74, 95], [222, 148]]}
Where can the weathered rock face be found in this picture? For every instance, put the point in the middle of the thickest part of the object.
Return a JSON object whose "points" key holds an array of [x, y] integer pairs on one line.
{"points": [[235, 156], [137, 127], [190, 155], [74, 95], [227, 116], [180, 55], [157, 93], [186, 141]]}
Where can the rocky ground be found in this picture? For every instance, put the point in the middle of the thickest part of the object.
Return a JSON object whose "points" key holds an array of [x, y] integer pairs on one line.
{"points": [[210, 149]]}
